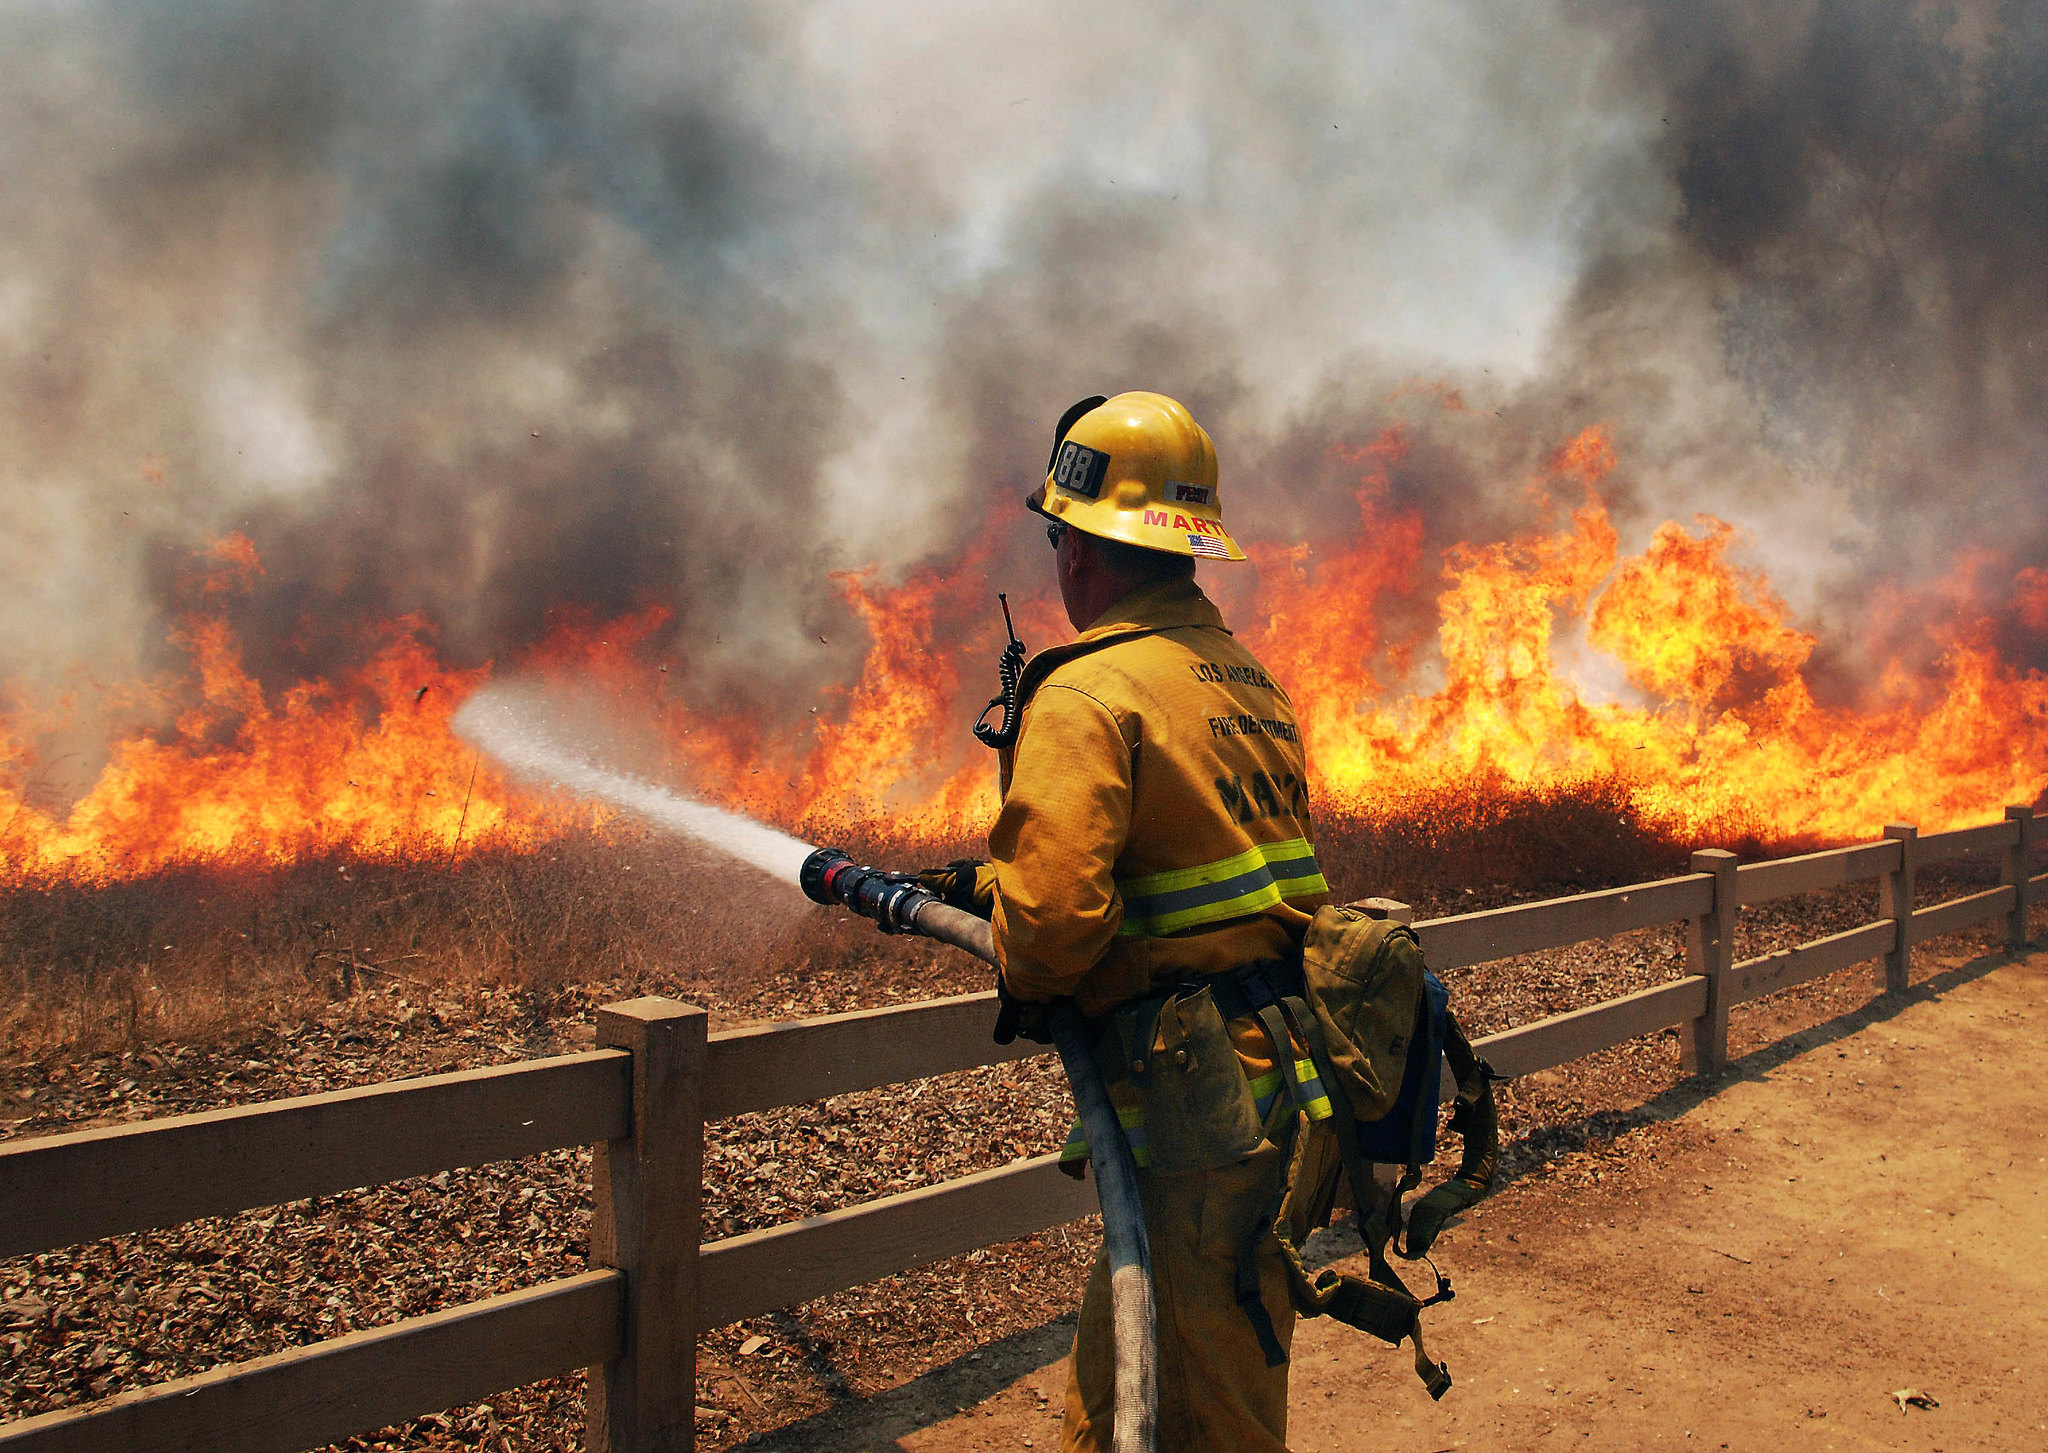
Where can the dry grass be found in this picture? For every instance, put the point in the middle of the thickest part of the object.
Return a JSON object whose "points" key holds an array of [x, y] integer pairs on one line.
{"points": [[192, 953], [1563, 837]]}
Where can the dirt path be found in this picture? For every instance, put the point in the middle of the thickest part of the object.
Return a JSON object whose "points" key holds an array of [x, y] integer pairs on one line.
{"points": [[1860, 1209]]}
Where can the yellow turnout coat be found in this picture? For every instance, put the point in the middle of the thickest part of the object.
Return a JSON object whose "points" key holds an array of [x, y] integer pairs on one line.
{"points": [[1155, 819], [1155, 828]]}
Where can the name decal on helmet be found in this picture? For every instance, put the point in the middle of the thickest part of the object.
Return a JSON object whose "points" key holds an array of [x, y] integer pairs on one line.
{"points": [[1190, 494], [1080, 470], [1174, 521]]}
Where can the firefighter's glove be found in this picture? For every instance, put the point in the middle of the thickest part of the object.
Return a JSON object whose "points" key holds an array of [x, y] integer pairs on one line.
{"points": [[1020, 1018], [965, 883]]}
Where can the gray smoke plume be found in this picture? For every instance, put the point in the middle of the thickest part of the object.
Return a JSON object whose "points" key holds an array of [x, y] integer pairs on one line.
{"points": [[1863, 194], [501, 313]]}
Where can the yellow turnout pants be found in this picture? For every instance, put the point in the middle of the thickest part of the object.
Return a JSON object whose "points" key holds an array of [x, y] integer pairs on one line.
{"points": [[1216, 1394]]}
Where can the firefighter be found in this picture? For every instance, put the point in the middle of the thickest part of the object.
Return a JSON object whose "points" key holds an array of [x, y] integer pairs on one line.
{"points": [[1154, 862]]}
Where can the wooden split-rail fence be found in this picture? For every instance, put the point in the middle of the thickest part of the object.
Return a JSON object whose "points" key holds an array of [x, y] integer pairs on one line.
{"points": [[643, 1096]]}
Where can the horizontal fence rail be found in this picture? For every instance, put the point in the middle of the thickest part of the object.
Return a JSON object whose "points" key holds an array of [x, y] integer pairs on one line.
{"points": [[642, 1099], [1562, 1038], [61, 1189], [308, 1396], [1957, 913], [746, 1275], [1814, 872], [794, 1061], [1964, 842], [1499, 933], [1757, 977]]}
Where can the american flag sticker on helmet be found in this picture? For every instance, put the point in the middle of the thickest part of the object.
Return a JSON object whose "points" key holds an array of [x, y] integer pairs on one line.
{"points": [[1205, 545]]}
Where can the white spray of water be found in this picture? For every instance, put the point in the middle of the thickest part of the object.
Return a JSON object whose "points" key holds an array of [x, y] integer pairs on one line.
{"points": [[519, 728]]}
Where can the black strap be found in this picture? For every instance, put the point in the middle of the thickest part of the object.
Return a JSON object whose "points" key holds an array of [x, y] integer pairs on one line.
{"points": [[1237, 992], [1247, 990], [1242, 992], [1273, 1019], [1270, 1020], [1138, 1025]]}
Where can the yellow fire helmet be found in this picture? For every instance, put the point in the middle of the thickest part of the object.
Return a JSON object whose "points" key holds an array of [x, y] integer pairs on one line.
{"points": [[1139, 469]]}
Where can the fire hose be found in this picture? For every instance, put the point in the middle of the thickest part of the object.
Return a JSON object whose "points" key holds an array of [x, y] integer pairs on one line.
{"points": [[897, 904]]}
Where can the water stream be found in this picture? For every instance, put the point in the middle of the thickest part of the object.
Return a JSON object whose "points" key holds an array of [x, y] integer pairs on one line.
{"points": [[521, 729]]}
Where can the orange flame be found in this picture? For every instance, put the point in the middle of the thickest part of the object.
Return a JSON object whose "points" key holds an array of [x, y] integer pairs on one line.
{"points": [[369, 763], [1720, 727]]}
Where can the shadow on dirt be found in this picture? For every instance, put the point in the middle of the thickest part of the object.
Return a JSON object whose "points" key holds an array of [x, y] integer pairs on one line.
{"points": [[873, 1425]]}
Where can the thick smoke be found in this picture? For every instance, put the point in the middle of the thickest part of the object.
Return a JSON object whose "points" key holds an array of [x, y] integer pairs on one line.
{"points": [[1864, 189], [503, 313]]}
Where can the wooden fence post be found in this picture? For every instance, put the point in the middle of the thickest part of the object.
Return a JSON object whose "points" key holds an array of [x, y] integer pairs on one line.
{"points": [[647, 1192], [1386, 908], [1710, 952], [1896, 890], [2019, 866]]}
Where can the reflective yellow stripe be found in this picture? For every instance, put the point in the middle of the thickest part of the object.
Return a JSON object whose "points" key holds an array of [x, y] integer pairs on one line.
{"points": [[1176, 878], [1132, 1117], [1315, 1100], [1232, 887]]}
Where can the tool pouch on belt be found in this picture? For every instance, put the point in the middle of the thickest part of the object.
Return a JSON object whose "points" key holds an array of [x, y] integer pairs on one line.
{"points": [[1172, 1059]]}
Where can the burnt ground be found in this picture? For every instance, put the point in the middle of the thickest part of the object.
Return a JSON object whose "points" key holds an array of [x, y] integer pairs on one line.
{"points": [[95, 1319]]}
